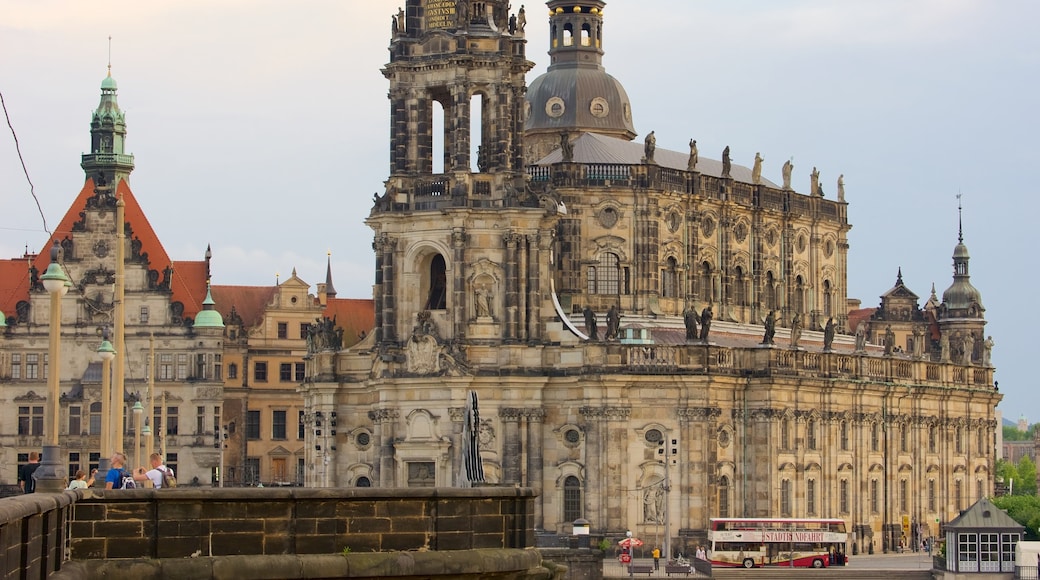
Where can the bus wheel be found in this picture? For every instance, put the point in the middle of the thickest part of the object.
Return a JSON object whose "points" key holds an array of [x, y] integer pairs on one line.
{"points": [[749, 563], [817, 563]]}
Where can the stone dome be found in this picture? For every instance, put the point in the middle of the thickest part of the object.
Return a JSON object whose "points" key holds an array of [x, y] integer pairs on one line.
{"points": [[574, 98]]}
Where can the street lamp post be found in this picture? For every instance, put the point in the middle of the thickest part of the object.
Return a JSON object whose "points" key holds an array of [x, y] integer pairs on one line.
{"points": [[50, 476], [107, 353], [138, 409]]}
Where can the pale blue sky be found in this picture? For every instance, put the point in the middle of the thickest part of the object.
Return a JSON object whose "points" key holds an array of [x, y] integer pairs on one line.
{"points": [[253, 116]]}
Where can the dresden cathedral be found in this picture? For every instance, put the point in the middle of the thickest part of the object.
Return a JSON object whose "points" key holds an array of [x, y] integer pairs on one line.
{"points": [[652, 338]]}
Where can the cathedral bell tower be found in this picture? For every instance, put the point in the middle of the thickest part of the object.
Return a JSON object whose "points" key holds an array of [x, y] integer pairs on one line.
{"points": [[107, 163], [457, 234]]}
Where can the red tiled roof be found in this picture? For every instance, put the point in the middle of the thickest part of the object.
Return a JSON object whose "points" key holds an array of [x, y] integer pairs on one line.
{"points": [[249, 302], [14, 284], [354, 315], [189, 278], [857, 316]]}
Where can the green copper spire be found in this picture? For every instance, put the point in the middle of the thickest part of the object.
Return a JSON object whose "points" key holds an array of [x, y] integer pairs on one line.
{"points": [[107, 163], [209, 317]]}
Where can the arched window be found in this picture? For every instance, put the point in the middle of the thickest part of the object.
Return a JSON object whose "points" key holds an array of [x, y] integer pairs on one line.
{"points": [[723, 497], [798, 300], [363, 482], [704, 282], [785, 435], [571, 499], [670, 279], [586, 35], [785, 498], [904, 438], [958, 442], [568, 34], [739, 287], [810, 434], [875, 437], [931, 495], [770, 291], [844, 436], [436, 297], [843, 496], [875, 497], [810, 497], [606, 277], [958, 495], [827, 298], [478, 155], [931, 438], [904, 496], [437, 140]]}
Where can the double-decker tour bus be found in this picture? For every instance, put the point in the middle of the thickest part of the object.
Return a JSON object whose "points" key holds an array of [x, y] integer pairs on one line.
{"points": [[751, 542]]}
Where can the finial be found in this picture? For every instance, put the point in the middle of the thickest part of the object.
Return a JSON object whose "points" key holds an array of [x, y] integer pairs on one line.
{"points": [[109, 55], [899, 276], [960, 221]]}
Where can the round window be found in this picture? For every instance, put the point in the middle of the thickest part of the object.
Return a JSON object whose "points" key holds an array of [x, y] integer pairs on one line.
{"points": [[654, 436], [363, 439], [572, 436]]}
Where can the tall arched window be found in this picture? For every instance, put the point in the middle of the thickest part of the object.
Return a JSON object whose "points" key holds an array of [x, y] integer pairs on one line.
{"points": [[875, 497], [739, 287], [810, 497], [571, 499], [844, 435], [704, 282], [958, 442], [875, 437], [437, 295], [723, 497], [843, 496], [363, 482], [606, 277], [568, 34], [958, 495], [785, 435], [586, 35], [810, 434], [931, 438], [785, 498], [670, 279], [798, 299], [827, 298], [770, 291]]}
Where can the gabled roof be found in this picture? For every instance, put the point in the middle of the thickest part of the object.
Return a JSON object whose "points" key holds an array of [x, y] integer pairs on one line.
{"points": [[593, 148], [983, 515], [249, 302], [356, 316], [14, 274]]}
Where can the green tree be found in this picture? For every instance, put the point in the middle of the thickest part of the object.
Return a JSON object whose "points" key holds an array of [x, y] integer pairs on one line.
{"points": [[1024, 510], [1011, 433], [1026, 482]]}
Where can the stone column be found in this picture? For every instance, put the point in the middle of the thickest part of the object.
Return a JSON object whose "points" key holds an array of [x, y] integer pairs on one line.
{"points": [[510, 444], [457, 139], [383, 442], [388, 319], [511, 240], [458, 283], [523, 276], [458, 418], [593, 496], [535, 467]]}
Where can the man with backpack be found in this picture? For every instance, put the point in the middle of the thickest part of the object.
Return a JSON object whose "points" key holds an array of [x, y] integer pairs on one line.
{"points": [[160, 475], [117, 477]]}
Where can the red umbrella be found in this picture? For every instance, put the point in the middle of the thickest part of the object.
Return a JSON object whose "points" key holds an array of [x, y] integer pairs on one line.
{"points": [[630, 543]]}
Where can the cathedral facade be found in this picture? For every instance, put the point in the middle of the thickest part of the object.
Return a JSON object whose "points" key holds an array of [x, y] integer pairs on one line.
{"points": [[655, 337]]}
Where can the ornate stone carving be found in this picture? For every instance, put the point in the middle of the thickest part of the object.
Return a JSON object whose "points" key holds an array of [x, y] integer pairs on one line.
{"points": [[383, 415], [606, 413]]}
